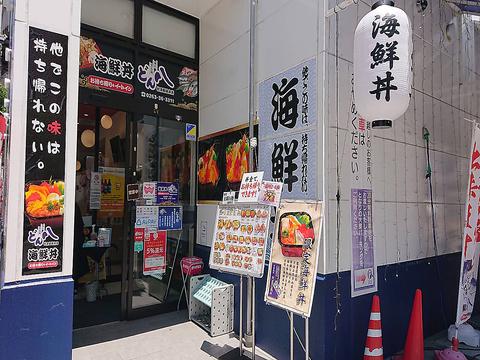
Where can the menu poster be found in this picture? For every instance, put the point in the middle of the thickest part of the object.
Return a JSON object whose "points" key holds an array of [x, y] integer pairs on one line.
{"points": [[154, 253], [239, 239], [45, 152], [270, 193], [293, 262], [250, 187]]}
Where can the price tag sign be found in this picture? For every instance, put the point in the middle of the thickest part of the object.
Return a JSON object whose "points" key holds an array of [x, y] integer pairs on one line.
{"points": [[270, 193], [228, 197]]}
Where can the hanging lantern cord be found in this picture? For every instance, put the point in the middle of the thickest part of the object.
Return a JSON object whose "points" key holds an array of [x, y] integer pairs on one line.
{"points": [[338, 304], [428, 176]]}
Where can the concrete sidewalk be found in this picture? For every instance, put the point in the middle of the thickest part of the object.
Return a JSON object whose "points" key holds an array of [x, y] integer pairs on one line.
{"points": [[168, 336]]}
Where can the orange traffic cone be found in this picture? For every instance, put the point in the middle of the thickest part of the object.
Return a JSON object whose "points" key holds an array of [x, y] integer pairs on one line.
{"points": [[373, 345], [414, 345]]}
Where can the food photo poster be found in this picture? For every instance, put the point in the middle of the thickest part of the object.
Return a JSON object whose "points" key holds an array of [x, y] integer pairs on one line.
{"points": [[223, 158], [294, 254]]}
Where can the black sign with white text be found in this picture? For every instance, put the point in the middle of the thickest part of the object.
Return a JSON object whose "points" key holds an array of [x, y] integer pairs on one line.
{"points": [[141, 81], [166, 84], [45, 152]]}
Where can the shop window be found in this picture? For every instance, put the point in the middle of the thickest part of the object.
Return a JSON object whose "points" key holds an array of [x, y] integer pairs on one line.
{"points": [[168, 32], [116, 16]]}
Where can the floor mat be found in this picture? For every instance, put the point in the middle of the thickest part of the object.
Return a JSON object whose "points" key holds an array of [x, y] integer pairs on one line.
{"points": [[104, 310]]}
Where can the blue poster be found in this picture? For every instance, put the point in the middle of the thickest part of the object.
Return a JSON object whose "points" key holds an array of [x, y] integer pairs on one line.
{"points": [[170, 218], [167, 192], [288, 130]]}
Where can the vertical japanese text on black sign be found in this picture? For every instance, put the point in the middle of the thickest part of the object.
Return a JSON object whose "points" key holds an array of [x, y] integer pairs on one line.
{"points": [[45, 152]]}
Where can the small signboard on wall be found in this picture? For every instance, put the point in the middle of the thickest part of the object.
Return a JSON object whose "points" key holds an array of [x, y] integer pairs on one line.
{"points": [[228, 197], [270, 193], [190, 132]]}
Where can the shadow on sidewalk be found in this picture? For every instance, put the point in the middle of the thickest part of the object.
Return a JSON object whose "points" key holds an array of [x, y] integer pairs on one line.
{"points": [[121, 329]]}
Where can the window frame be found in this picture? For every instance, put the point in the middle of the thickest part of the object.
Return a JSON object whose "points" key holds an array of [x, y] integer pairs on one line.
{"points": [[137, 43]]}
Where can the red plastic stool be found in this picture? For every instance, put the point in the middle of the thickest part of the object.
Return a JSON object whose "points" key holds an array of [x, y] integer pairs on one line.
{"points": [[191, 266]]}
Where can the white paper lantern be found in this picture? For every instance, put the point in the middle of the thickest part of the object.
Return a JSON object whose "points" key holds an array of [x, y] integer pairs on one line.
{"points": [[382, 64]]}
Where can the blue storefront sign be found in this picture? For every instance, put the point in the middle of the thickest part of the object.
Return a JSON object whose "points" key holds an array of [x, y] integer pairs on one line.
{"points": [[167, 192], [170, 218]]}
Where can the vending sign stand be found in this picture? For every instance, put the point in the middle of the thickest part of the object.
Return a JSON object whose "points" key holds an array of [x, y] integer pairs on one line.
{"points": [[306, 348], [241, 228], [294, 253], [307, 339], [266, 215]]}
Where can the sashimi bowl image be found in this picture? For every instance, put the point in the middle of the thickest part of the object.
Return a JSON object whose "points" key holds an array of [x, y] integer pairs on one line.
{"points": [[44, 202], [294, 229]]}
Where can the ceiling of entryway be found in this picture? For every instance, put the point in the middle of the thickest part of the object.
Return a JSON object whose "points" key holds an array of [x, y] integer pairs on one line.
{"points": [[197, 8]]}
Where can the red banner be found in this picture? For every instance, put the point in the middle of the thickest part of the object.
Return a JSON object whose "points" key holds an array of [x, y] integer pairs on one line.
{"points": [[471, 237]]}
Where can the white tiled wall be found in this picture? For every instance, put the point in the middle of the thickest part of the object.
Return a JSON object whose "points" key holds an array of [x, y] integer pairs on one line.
{"points": [[446, 90], [288, 32], [446, 84]]}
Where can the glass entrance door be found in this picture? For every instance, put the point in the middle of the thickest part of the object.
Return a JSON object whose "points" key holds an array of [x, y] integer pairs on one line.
{"points": [[164, 160], [99, 268]]}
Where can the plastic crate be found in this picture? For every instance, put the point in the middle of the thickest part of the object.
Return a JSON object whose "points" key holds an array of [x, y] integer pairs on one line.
{"points": [[211, 304]]}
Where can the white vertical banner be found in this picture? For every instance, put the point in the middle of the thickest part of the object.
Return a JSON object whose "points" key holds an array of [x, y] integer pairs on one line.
{"points": [[363, 266], [288, 130], [471, 236]]}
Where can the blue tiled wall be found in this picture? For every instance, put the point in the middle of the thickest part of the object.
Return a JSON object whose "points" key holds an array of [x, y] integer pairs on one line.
{"points": [[396, 287], [36, 321]]}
